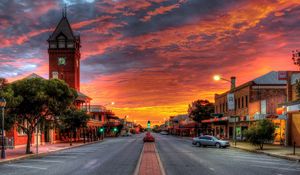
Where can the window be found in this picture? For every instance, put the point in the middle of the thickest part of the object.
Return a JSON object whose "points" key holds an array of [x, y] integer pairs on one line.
{"points": [[242, 102], [246, 101], [20, 130], [239, 103], [235, 104], [263, 106]]}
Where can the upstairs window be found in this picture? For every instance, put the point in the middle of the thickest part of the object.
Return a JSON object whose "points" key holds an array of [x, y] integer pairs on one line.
{"points": [[61, 42]]}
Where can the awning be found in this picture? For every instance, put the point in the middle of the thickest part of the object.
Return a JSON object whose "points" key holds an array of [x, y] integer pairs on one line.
{"points": [[215, 120]]}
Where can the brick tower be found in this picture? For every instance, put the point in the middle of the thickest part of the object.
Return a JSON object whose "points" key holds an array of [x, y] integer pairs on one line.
{"points": [[64, 54]]}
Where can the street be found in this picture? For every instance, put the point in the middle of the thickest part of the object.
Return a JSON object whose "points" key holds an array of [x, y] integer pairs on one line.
{"points": [[113, 156], [178, 156]]}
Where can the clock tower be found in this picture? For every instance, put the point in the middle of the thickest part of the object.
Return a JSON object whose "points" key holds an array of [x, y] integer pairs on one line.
{"points": [[64, 54]]}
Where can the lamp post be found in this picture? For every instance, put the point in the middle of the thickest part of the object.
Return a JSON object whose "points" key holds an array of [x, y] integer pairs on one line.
{"points": [[232, 82], [2, 106]]}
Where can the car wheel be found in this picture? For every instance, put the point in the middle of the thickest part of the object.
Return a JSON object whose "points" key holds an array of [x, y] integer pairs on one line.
{"points": [[218, 145], [199, 144]]}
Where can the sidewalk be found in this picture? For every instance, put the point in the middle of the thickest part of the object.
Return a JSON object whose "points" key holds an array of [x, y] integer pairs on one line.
{"points": [[150, 163], [19, 153], [269, 149]]}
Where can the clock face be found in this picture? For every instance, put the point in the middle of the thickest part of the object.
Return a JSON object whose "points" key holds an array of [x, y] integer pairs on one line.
{"points": [[61, 61]]}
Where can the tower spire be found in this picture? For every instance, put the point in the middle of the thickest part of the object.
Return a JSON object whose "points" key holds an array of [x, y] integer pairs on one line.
{"points": [[65, 10]]}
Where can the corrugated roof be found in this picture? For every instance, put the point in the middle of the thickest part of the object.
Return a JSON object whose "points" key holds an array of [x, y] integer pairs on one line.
{"points": [[82, 97], [269, 78], [294, 78], [34, 75]]}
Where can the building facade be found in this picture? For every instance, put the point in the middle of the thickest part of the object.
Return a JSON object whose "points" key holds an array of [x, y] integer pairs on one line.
{"points": [[251, 101]]}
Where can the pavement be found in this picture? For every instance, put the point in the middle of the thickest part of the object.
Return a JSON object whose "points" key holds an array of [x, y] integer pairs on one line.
{"points": [[117, 156], [179, 156], [272, 150]]}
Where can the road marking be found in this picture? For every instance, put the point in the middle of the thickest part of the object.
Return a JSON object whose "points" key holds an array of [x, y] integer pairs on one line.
{"points": [[42, 160], [25, 166], [254, 158], [265, 162], [62, 156], [212, 169], [278, 168]]}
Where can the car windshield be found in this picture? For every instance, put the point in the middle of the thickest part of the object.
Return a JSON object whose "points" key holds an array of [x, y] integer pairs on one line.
{"points": [[215, 138]]}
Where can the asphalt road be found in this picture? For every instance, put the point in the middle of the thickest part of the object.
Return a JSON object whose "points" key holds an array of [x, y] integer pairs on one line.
{"points": [[180, 157], [116, 156]]}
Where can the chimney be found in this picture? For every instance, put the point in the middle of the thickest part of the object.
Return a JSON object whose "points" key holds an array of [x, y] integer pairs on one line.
{"points": [[232, 80]]}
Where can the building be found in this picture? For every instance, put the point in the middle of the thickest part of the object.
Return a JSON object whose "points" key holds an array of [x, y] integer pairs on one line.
{"points": [[292, 109], [247, 103], [182, 125], [64, 63]]}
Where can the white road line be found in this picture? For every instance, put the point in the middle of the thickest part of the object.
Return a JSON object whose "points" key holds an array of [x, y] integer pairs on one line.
{"points": [[254, 158], [265, 162], [43, 160], [62, 156], [25, 166], [278, 168]]}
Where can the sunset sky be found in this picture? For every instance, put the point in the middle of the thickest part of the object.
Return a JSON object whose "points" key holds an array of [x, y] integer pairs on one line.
{"points": [[154, 57]]}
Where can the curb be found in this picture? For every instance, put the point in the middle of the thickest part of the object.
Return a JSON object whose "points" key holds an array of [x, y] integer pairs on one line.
{"points": [[137, 168], [269, 154], [162, 169], [45, 153]]}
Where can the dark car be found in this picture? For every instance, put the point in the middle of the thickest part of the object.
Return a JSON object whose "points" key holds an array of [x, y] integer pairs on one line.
{"points": [[149, 138], [208, 140]]}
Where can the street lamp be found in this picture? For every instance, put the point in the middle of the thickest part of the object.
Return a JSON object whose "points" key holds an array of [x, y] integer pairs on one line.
{"points": [[2, 106], [232, 82]]}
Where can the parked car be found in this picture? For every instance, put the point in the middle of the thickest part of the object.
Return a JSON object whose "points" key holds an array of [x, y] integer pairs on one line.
{"points": [[149, 138], [208, 140], [164, 133]]}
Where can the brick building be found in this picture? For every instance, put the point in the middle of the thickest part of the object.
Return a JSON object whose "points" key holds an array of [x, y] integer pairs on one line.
{"points": [[64, 63], [252, 101], [292, 109]]}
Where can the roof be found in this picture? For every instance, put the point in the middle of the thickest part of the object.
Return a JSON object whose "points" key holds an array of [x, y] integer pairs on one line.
{"points": [[269, 78], [96, 108], [63, 28], [294, 78], [82, 97], [34, 75]]}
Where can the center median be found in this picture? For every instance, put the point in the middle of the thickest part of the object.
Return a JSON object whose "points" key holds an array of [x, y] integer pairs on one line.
{"points": [[149, 162]]}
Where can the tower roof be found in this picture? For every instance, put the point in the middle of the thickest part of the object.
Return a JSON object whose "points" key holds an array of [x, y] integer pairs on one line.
{"points": [[63, 28]]}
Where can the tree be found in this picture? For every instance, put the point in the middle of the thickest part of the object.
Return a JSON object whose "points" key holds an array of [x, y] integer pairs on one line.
{"points": [[260, 133], [200, 110], [8, 94], [35, 100], [73, 119]]}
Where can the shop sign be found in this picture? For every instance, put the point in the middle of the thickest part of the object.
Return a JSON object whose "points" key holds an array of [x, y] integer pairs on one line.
{"points": [[293, 108], [230, 101], [282, 75]]}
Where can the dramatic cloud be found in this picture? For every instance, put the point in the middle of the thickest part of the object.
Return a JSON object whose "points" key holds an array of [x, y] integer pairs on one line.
{"points": [[153, 57]]}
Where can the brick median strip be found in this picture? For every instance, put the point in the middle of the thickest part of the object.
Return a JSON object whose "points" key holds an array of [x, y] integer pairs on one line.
{"points": [[150, 163]]}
